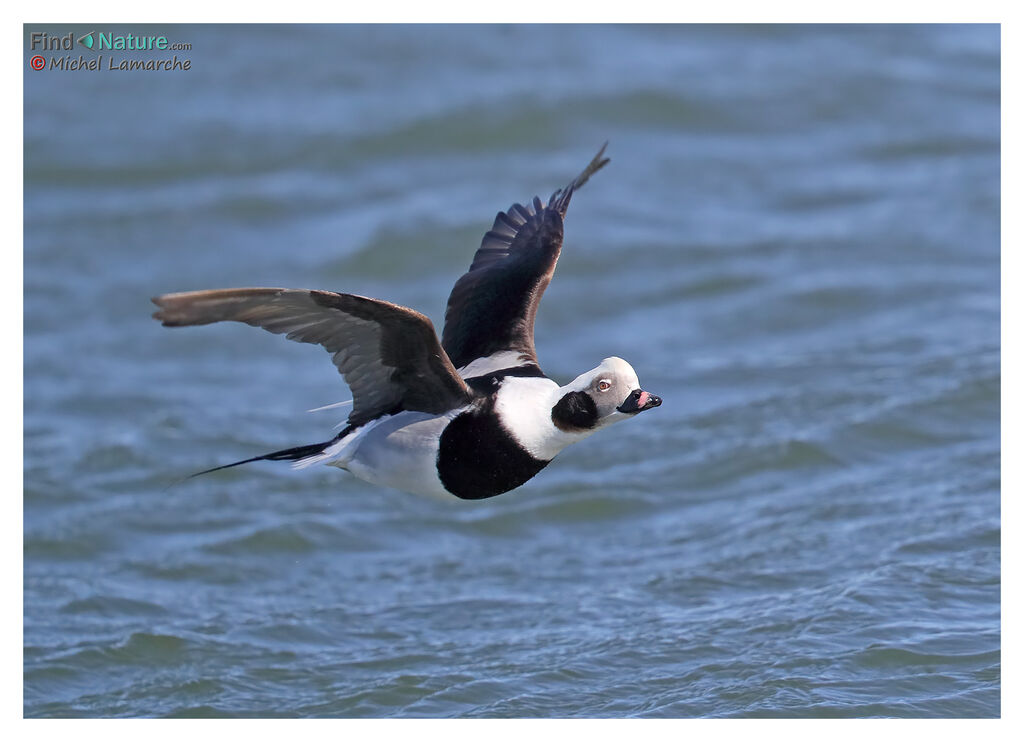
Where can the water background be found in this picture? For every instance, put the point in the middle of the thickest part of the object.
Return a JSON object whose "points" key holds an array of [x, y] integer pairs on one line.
{"points": [[796, 245]]}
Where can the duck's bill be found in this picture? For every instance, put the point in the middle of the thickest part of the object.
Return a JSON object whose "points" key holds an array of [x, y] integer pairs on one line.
{"points": [[639, 401]]}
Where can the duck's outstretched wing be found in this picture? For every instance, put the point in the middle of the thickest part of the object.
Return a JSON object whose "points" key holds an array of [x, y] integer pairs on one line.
{"points": [[489, 321], [389, 355]]}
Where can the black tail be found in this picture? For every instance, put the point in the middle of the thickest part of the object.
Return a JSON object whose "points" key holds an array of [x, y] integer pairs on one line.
{"points": [[288, 454]]}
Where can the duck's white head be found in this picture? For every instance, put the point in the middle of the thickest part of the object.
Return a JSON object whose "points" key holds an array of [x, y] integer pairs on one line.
{"points": [[544, 418], [600, 397]]}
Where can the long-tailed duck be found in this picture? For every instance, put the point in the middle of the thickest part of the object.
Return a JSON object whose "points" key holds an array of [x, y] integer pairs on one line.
{"points": [[471, 416]]}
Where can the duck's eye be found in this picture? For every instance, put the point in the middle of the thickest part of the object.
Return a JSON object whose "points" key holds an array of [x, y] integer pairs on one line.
{"points": [[604, 385]]}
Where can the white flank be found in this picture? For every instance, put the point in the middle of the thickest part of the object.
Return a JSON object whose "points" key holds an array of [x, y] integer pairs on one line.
{"points": [[397, 451]]}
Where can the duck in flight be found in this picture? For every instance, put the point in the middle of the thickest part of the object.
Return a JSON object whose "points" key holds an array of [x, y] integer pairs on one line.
{"points": [[472, 415]]}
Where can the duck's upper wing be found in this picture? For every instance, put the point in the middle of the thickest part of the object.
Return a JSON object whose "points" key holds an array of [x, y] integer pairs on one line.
{"points": [[492, 307], [388, 354]]}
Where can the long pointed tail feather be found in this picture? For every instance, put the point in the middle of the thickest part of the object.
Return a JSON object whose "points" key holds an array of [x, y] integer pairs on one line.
{"points": [[287, 454]]}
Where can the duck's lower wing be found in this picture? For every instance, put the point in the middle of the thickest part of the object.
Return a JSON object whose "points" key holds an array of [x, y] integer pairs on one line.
{"points": [[389, 354]]}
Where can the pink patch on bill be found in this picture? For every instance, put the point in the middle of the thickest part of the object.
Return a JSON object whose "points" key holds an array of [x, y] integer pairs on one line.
{"points": [[642, 399]]}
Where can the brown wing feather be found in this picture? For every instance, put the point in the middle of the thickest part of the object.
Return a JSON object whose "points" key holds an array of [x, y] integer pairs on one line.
{"points": [[493, 306], [389, 355]]}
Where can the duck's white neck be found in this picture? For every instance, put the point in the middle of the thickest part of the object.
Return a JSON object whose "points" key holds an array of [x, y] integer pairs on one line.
{"points": [[524, 405]]}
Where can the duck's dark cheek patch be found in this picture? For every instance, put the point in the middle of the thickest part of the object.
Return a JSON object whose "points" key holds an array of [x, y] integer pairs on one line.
{"points": [[575, 411]]}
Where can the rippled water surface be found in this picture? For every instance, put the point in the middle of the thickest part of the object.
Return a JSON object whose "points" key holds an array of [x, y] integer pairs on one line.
{"points": [[796, 245]]}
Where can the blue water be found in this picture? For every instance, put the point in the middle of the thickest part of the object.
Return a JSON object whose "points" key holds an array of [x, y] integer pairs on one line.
{"points": [[796, 245]]}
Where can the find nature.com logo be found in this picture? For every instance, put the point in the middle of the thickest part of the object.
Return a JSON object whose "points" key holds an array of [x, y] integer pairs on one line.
{"points": [[56, 50]]}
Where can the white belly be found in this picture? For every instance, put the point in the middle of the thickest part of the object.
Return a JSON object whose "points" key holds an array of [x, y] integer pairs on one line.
{"points": [[398, 451]]}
